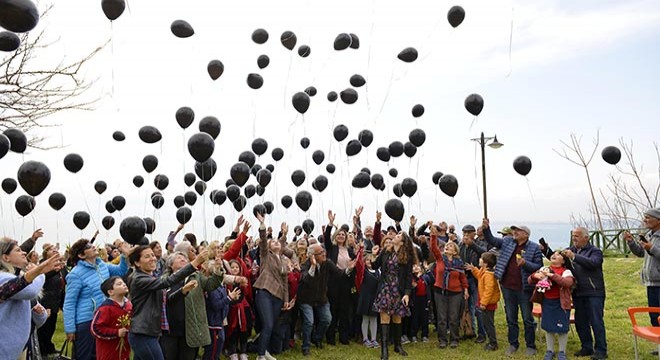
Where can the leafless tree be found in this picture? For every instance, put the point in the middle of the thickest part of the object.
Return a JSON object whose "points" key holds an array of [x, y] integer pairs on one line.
{"points": [[31, 91]]}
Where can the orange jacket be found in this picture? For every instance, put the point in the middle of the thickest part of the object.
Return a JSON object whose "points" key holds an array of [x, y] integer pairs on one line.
{"points": [[489, 289]]}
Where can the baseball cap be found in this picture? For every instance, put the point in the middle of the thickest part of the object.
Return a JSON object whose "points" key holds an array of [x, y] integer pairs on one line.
{"points": [[522, 228], [505, 231]]}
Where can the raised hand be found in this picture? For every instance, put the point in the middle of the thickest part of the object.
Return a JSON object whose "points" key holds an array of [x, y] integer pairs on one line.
{"points": [[358, 211], [201, 258], [413, 221], [284, 228], [331, 217], [37, 234], [485, 223], [261, 218], [379, 215], [246, 225]]}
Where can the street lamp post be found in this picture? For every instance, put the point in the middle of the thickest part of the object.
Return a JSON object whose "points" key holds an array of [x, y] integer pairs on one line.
{"points": [[495, 145]]}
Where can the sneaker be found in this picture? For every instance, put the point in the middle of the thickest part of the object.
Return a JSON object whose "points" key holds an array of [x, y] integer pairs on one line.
{"points": [[243, 357], [306, 352], [491, 347], [367, 343], [233, 357], [583, 352], [530, 351], [549, 355], [404, 340], [375, 344], [511, 350], [561, 356], [425, 339], [453, 345], [480, 340], [414, 339], [268, 356], [442, 344]]}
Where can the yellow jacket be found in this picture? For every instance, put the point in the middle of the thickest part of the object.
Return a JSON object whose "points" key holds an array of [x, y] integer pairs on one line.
{"points": [[489, 289]]}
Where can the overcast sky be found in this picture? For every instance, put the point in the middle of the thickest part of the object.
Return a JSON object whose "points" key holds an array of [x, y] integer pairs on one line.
{"points": [[545, 70]]}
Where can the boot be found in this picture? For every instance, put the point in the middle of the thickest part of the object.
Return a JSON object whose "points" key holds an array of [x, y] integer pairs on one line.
{"points": [[396, 333], [384, 337]]}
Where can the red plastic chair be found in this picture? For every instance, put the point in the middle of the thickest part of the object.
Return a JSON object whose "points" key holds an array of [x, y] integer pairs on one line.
{"points": [[649, 333]]}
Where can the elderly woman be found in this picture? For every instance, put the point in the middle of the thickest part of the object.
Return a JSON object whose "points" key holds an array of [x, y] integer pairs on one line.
{"points": [[84, 295], [16, 311]]}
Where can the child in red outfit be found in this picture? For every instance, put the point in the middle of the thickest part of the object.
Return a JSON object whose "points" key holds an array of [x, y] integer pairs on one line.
{"points": [[112, 321]]}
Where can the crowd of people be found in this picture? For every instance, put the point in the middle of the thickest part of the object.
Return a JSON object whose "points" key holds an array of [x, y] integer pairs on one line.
{"points": [[263, 294]]}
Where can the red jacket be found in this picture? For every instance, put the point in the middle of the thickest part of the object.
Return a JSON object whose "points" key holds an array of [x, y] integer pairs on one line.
{"points": [[457, 280], [105, 328], [234, 253]]}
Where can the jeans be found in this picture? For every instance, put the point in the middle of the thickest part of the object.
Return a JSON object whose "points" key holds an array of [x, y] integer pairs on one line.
{"points": [[653, 296], [488, 321], [473, 291], [420, 317], [449, 313], [589, 317], [145, 347], [85, 342], [269, 308], [176, 348], [320, 313], [512, 301], [214, 349]]}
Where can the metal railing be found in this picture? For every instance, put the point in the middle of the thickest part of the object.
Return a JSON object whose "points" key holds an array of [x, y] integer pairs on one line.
{"points": [[612, 239]]}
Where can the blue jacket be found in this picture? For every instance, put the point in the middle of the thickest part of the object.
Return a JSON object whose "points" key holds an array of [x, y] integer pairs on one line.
{"points": [[83, 290], [217, 307], [532, 255], [588, 271]]}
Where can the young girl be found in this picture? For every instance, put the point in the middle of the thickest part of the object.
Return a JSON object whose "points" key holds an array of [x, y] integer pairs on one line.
{"points": [[489, 295], [556, 303], [366, 281], [112, 321], [420, 305]]}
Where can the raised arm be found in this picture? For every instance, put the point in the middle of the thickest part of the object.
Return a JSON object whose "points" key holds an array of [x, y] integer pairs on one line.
{"points": [[488, 235], [28, 244], [235, 249], [327, 238], [378, 234], [286, 251], [263, 238]]}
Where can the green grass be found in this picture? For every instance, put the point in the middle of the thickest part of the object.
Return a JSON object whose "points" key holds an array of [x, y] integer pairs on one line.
{"points": [[623, 290]]}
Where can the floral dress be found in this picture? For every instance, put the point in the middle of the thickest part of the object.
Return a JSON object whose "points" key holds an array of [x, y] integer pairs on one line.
{"points": [[389, 297]]}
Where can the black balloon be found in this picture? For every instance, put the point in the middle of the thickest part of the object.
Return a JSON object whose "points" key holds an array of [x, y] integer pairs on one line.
{"points": [[288, 40], [474, 103], [5, 144], [330, 168], [33, 176], [100, 187], [377, 181], [394, 209], [184, 117], [179, 201], [340, 132], [522, 165], [361, 180], [255, 169], [24, 204], [308, 226], [383, 154], [408, 55], [200, 187], [455, 16], [215, 68], [219, 221], [263, 177], [149, 134], [260, 36], [287, 201], [9, 185], [260, 190], [259, 146], [118, 136], [206, 170], [113, 8], [132, 229], [17, 139], [409, 186], [448, 184], [366, 169], [233, 192], [397, 190], [255, 81], [138, 181], [150, 224], [239, 204], [277, 154], [318, 156], [249, 191], [229, 182], [349, 96], [73, 162], [269, 207], [211, 126], [259, 209], [181, 29], [366, 137], [161, 181], [353, 147], [611, 155], [81, 219], [149, 163], [357, 80], [109, 207], [310, 90], [57, 201], [304, 51], [393, 172], [190, 198], [18, 15], [304, 142], [157, 201], [417, 137], [240, 173], [355, 41], [219, 197], [320, 183], [270, 167], [436, 177], [298, 177], [108, 222], [118, 202], [418, 110], [300, 101], [263, 61], [248, 157], [409, 149], [189, 179], [9, 41], [332, 96], [396, 149], [304, 200], [342, 41], [201, 146]]}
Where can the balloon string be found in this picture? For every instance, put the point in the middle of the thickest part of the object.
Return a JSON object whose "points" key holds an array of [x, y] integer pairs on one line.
{"points": [[531, 195], [371, 35], [510, 45], [85, 199], [476, 176], [112, 59], [453, 201], [474, 121], [57, 226], [2, 216]]}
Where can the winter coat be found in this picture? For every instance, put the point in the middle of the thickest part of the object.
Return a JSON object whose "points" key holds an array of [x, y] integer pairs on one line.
{"points": [[651, 269], [105, 328], [16, 315], [532, 255]]}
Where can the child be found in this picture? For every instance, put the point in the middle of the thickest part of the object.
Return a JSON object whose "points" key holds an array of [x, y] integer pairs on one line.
{"points": [[420, 304], [112, 321], [366, 282], [556, 303], [489, 295]]}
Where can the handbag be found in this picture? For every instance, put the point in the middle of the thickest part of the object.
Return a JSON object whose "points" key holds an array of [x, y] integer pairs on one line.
{"points": [[67, 352], [537, 297]]}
